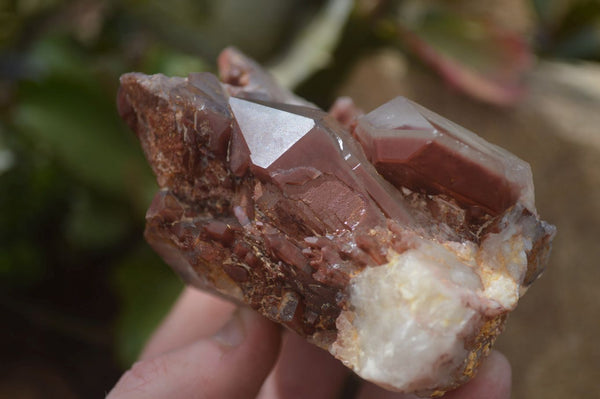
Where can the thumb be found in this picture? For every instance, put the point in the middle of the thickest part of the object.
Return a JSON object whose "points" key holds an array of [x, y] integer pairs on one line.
{"points": [[231, 364]]}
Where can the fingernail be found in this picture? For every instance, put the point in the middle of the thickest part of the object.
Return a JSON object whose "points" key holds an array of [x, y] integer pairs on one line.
{"points": [[233, 333]]}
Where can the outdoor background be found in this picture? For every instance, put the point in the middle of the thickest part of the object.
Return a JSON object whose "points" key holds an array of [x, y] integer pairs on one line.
{"points": [[80, 290]]}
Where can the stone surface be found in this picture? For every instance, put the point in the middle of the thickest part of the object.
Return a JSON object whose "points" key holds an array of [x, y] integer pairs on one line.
{"points": [[244, 78], [299, 146], [277, 205], [408, 144]]}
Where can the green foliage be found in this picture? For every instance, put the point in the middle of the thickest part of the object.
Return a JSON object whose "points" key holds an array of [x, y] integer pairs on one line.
{"points": [[32, 206], [161, 59], [147, 289], [205, 27], [569, 28], [69, 115], [460, 38], [94, 223]]}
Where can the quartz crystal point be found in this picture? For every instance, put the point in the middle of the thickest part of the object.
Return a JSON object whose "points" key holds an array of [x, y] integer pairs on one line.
{"points": [[396, 240], [415, 148]]}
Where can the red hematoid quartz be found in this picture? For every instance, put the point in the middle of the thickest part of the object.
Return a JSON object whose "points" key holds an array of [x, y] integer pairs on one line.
{"points": [[396, 240]]}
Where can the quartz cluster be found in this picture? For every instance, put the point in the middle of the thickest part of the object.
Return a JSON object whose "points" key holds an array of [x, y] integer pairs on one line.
{"points": [[396, 240]]}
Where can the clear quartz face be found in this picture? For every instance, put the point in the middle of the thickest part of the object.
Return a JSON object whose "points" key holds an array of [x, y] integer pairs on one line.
{"points": [[418, 149]]}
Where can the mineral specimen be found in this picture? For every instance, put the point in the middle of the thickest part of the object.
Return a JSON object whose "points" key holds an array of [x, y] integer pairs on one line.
{"points": [[396, 240]]}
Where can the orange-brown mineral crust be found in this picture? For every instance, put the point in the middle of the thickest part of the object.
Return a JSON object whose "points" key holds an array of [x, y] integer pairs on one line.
{"points": [[396, 240]]}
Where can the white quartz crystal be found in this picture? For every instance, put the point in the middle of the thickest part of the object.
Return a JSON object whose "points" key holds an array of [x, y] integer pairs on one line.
{"points": [[408, 319]]}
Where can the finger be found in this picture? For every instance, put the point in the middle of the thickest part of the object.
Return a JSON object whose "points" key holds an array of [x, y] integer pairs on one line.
{"points": [[231, 364], [493, 380], [196, 314], [371, 391], [303, 371]]}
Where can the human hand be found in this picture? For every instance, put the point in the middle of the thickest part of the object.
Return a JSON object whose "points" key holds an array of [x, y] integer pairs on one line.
{"points": [[206, 348]]}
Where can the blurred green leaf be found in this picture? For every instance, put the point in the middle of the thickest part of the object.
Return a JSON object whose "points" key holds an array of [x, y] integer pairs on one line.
{"points": [[160, 59], [9, 24], [550, 11], [57, 55], [147, 288], [205, 27], [7, 157], [582, 44], [29, 7], [68, 114], [94, 223], [577, 33], [579, 14], [472, 55], [466, 40], [35, 200], [20, 263]]}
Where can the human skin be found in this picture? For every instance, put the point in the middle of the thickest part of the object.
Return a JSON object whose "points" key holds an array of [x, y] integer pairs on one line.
{"points": [[208, 348]]}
